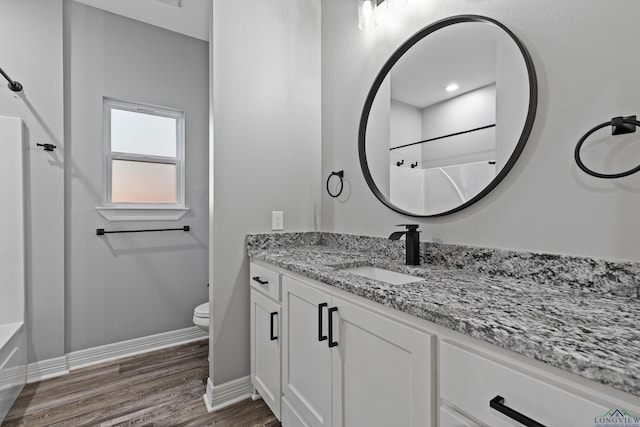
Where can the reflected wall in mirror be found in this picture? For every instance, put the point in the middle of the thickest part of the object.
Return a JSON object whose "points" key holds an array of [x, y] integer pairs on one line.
{"points": [[447, 116]]}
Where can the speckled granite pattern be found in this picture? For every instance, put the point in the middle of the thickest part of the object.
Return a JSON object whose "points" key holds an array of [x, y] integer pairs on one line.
{"points": [[575, 321], [588, 274], [603, 277]]}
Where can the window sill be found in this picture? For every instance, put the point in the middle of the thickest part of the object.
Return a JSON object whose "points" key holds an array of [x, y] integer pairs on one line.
{"points": [[117, 213]]}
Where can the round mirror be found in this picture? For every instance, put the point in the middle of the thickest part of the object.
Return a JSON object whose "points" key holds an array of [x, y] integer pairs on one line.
{"points": [[447, 116]]}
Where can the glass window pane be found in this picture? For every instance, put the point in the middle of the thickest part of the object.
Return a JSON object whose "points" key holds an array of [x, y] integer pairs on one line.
{"points": [[141, 133], [143, 182]]}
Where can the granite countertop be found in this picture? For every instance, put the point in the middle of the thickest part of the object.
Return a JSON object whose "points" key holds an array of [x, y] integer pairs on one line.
{"points": [[589, 333]]}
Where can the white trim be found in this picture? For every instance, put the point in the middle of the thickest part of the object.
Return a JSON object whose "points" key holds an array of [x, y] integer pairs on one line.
{"points": [[45, 369], [141, 214], [109, 352], [226, 394], [150, 109], [50, 368]]}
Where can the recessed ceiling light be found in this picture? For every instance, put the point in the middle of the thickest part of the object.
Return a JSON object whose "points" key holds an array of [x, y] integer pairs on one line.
{"points": [[452, 87]]}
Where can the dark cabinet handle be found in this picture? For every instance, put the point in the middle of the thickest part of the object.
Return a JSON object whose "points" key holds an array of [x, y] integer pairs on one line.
{"points": [[332, 343], [321, 336], [271, 334], [262, 282], [497, 403]]}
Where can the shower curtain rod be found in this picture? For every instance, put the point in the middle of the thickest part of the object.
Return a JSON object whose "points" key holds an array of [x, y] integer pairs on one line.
{"points": [[444, 136], [13, 85]]}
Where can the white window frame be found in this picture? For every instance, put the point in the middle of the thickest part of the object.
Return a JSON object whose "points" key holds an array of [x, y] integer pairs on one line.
{"points": [[143, 211]]}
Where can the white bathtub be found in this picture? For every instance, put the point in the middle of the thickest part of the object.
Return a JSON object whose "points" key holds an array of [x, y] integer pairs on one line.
{"points": [[13, 350], [13, 365]]}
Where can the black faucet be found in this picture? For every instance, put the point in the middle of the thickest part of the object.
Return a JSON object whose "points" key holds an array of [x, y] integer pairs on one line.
{"points": [[412, 242]]}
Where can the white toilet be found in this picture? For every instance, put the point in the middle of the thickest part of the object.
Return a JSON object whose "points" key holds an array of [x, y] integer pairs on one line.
{"points": [[201, 316]]}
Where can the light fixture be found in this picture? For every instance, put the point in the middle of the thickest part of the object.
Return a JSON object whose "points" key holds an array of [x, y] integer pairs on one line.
{"points": [[366, 14], [452, 87], [367, 11], [396, 4]]}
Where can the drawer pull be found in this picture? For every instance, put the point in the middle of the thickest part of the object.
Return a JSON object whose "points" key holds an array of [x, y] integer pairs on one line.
{"points": [[260, 281], [271, 334], [497, 403], [321, 336], [332, 343]]}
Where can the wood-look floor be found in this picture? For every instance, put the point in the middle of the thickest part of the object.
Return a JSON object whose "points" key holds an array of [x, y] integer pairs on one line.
{"points": [[161, 388]]}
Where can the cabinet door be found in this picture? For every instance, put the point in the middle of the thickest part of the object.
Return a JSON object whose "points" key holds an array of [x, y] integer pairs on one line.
{"points": [[306, 360], [265, 350], [450, 418], [382, 370]]}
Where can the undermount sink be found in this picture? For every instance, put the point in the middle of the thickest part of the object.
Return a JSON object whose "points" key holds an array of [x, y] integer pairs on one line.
{"points": [[383, 275]]}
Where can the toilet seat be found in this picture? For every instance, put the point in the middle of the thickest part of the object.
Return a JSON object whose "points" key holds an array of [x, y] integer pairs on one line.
{"points": [[202, 311], [201, 316]]}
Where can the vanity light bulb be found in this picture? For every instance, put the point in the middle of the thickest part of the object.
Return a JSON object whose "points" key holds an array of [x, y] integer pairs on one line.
{"points": [[396, 4], [452, 87], [366, 14]]}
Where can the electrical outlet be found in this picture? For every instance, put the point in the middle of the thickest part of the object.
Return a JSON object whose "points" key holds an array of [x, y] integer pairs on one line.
{"points": [[277, 220]]}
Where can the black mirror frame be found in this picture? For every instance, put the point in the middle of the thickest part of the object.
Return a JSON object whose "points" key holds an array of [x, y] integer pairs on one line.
{"points": [[524, 136]]}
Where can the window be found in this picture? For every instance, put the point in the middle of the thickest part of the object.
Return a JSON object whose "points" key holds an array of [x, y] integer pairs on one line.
{"points": [[144, 161]]}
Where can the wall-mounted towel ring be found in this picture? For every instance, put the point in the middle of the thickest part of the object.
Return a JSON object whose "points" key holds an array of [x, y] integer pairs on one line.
{"points": [[619, 126], [340, 175]]}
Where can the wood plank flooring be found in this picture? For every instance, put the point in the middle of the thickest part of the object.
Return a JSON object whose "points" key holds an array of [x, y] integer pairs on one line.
{"points": [[161, 388]]}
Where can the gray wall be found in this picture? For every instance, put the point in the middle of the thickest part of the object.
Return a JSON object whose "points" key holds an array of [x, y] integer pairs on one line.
{"points": [[266, 93], [585, 73], [32, 54], [115, 289], [126, 286]]}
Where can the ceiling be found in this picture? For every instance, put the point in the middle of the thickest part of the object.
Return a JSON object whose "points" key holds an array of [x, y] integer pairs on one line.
{"points": [[465, 54], [192, 19]]}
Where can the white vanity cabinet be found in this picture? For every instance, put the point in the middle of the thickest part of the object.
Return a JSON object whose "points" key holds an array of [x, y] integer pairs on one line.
{"points": [[345, 364], [449, 417], [323, 357], [470, 379], [266, 339]]}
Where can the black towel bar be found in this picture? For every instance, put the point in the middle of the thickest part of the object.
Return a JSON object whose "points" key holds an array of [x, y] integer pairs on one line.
{"points": [[102, 232]]}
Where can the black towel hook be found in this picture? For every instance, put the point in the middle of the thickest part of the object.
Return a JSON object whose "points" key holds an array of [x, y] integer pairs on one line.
{"points": [[619, 126]]}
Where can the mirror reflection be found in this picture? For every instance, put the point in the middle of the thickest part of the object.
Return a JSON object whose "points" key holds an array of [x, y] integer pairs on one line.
{"points": [[448, 117]]}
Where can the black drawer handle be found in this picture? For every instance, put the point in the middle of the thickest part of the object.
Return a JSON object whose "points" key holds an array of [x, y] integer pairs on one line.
{"points": [[321, 336], [262, 282], [497, 403], [271, 334], [332, 343]]}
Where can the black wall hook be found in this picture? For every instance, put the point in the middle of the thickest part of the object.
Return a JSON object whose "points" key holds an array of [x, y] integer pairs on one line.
{"points": [[47, 147], [400, 163], [413, 165]]}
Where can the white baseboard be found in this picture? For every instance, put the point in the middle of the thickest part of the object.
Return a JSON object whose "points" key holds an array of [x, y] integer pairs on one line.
{"points": [[45, 369], [226, 394], [38, 371], [109, 352]]}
